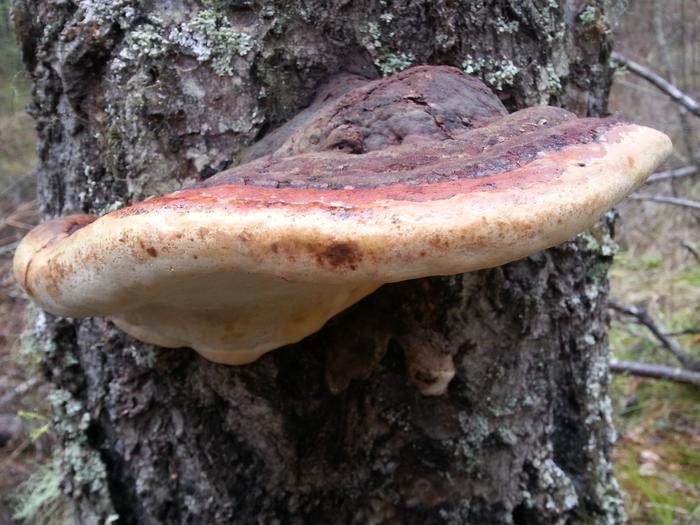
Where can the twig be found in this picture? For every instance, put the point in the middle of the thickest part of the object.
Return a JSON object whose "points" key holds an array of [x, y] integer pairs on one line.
{"points": [[17, 224], [676, 201], [659, 12], [655, 371], [672, 345], [8, 248], [664, 85], [672, 174], [23, 211], [686, 331], [9, 238], [691, 249], [17, 183], [19, 390]]}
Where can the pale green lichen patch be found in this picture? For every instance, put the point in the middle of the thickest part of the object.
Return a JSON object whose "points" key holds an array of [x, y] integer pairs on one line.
{"points": [[472, 65], [103, 13], [552, 79], [599, 18], [474, 431], [379, 43], [503, 74], [504, 26], [144, 355], [393, 63], [598, 239], [211, 37], [497, 73], [147, 42], [93, 194], [589, 15], [558, 488], [84, 473]]}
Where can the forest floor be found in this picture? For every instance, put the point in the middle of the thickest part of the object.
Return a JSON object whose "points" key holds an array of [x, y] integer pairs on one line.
{"points": [[657, 456]]}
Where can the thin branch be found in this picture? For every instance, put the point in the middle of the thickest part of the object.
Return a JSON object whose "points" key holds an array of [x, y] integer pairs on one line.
{"points": [[659, 12], [691, 249], [664, 85], [655, 371], [672, 174], [676, 201], [8, 248], [672, 345], [17, 183], [19, 390], [687, 158], [686, 331]]}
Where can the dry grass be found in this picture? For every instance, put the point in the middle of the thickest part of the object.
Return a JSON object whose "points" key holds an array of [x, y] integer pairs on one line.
{"points": [[21, 388]]}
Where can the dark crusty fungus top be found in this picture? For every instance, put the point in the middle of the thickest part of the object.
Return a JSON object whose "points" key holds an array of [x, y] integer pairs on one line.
{"points": [[422, 173]]}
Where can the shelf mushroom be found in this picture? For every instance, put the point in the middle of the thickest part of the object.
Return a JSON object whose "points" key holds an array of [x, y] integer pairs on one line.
{"points": [[419, 174]]}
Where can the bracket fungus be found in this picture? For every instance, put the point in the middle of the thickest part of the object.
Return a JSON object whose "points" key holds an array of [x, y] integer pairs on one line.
{"points": [[420, 174]]}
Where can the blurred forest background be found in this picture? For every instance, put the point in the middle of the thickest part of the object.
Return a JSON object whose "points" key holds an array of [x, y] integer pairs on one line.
{"points": [[655, 281]]}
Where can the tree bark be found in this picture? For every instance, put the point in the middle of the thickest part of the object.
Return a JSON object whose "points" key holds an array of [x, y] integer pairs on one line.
{"points": [[135, 99]]}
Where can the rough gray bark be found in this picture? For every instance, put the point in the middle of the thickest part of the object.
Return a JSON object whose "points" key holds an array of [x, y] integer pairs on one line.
{"points": [[134, 99]]}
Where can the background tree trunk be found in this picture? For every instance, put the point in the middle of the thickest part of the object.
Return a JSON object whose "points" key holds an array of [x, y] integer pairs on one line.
{"points": [[133, 99]]}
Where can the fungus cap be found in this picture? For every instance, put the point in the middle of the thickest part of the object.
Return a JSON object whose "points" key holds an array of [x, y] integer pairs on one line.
{"points": [[264, 254]]}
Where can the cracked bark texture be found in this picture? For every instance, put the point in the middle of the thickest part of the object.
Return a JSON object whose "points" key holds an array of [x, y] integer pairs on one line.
{"points": [[133, 99]]}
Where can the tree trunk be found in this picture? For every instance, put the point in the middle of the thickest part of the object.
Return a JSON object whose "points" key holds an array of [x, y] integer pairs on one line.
{"points": [[133, 99]]}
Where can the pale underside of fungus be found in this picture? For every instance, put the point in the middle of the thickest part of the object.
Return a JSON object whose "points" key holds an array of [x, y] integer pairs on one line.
{"points": [[419, 174]]}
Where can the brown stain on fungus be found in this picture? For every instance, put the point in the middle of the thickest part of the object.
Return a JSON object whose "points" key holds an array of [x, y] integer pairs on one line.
{"points": [[340, 254], [57, 272], [142, 250]]}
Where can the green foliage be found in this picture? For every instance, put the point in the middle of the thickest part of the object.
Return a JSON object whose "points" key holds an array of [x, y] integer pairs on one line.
{"points": [[652, 260], [39, 431], [691, 277], [657, 416]]}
